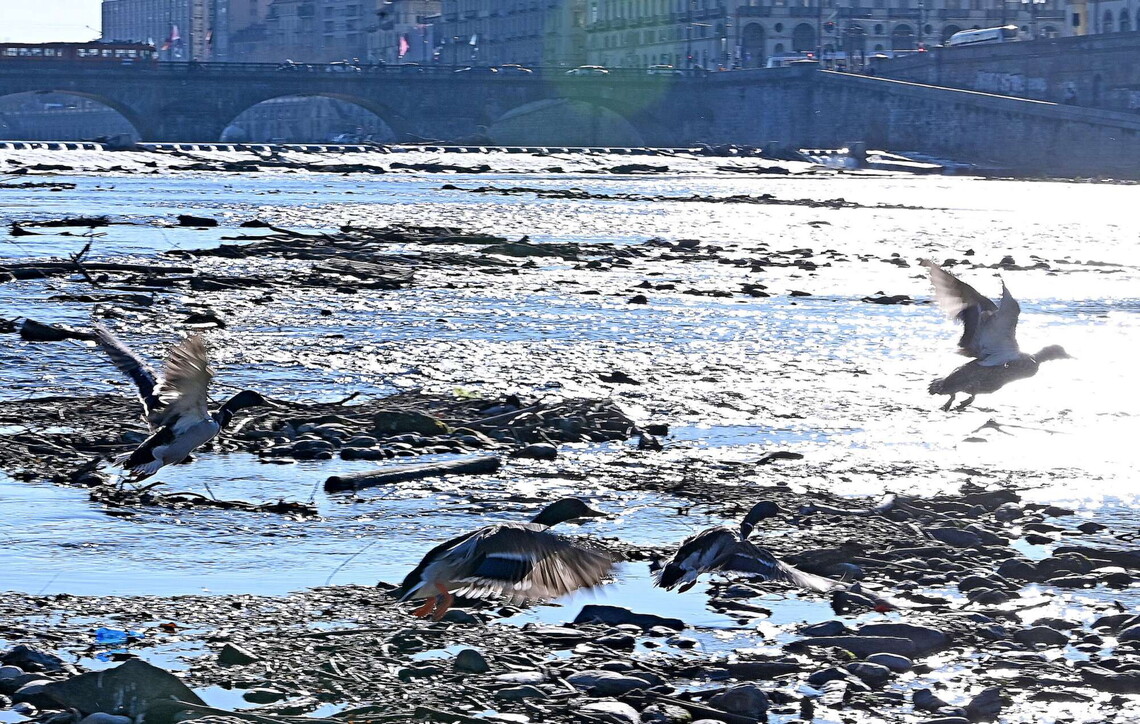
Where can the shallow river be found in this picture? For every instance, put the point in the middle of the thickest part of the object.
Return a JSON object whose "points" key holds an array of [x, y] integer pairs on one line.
{"points": [[828, 375]]}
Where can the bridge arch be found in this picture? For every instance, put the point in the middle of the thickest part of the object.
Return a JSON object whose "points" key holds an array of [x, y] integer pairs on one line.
{"points": [[313, 118], [56, 116], [567, 121]]}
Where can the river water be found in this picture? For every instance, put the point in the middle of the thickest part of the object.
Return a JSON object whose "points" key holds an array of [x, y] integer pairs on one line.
{"points": [[828, 375]]}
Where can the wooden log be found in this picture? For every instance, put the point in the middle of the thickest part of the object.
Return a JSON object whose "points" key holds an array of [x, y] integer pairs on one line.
{"points": [[403, 473]]}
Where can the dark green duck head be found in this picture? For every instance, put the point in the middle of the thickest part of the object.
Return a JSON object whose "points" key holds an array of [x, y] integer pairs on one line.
{"points": [[761, 511]]}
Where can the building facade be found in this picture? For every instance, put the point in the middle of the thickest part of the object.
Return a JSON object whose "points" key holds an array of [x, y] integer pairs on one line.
{"points": [[404, 32], [182, 30], [529, 32], [1093, 17], [715, 34]]}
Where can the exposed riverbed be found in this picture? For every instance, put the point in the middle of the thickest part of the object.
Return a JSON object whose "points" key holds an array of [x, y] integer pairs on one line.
{"points": [[806, 366]]}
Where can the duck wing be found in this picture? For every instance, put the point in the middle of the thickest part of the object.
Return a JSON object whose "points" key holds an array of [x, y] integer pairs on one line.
{"points": [[186, 377], [522, 561], [131, 365], [989, 330], [697, 554], [759, 562]]}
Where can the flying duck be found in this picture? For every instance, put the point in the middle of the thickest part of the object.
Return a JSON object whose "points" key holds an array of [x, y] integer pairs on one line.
{"points": [[523, 561], [175, 404], [990, 337], [728, 549]]}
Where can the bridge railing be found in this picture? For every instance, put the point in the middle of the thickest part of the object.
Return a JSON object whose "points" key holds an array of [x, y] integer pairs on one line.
{"points": [[346, 70]]}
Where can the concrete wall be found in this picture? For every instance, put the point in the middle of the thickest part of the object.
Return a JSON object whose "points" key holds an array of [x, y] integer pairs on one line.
{"points": [[1094, 70]]}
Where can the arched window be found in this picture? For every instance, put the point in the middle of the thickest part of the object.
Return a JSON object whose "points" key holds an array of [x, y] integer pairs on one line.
{"points": [[948, 31], [1107, 25], [752, 45], [902, 37], [1125, 21], [803, 38]]}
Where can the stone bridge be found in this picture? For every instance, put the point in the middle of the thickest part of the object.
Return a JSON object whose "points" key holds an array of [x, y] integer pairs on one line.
{"points": [[796, 106]]}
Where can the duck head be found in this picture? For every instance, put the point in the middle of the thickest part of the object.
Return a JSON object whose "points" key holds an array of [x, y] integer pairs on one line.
{"points": [[243, 399], [1053, 351], [761, 511], [563, 510]]}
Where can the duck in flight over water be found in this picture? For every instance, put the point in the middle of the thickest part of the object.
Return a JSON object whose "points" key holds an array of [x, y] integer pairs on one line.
{"points": [[989, 336], [175, 406], [523, 561], [727, 549]]}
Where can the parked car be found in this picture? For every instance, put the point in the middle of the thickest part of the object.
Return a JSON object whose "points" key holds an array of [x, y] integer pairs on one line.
{"points": [[341, 66], [588, 70], [514, 68], [479, 70], [663, 70]]}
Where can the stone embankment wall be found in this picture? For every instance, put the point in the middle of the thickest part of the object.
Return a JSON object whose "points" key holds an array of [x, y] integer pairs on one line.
{"points": [[1094, 70]]}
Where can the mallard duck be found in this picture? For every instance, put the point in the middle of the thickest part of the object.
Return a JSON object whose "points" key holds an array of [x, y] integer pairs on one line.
{"points": [[175, 405], [523, 561], [989, 336], [728, 549]]}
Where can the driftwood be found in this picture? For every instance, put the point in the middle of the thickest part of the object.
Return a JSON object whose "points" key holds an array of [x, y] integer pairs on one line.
{"points": [[403, 473]]}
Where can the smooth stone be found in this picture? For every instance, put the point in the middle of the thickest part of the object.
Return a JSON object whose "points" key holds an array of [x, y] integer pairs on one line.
{"points": [[472, 662], [619, 641], [985, 706], [104, 718], [1101, 679], [954, 537], [538, 451], [862, 646], [873, 674], [1018, 568], [1040, 635], [30, 658], [665, 714], [518, 693], [263, 695], [232, 655], [894, 662], [927, 700], [988, 596], [682, 642], [616, 615], [521, 677], [606, 683], [826, 628], [821, 677], [1132, 633], [925, 638], [10, 672], [615, 712], [745, 699], [948, 720]]}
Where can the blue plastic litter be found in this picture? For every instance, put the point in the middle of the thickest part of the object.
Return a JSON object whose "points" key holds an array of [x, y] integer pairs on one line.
{"points": [[105, 635]]}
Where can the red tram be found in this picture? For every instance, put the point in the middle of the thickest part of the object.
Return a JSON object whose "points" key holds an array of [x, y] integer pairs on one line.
{"points": [[94, 53]]}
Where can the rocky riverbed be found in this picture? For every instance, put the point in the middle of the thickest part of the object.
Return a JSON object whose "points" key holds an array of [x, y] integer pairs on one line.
{"points": [[672, 344]]}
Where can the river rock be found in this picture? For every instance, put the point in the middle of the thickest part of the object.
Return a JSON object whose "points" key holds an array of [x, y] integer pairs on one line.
{"points": [[232, 655], [873, 674], [954, 537], [826, 628], [471, 661], [665, 714], [1040, 635], [1132, 633], [985, 706], [861, 646], [132, 688], [615, 712], [537, 451], [521, 677], [104, 718], [927, 700], [924, 638], [518, 693], [10, 672], [616, 615], [606, 683], [35, 693], [894, 662], [1019, 568], [745, 699], [263, 695], [30, 658], [823, 676]]}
